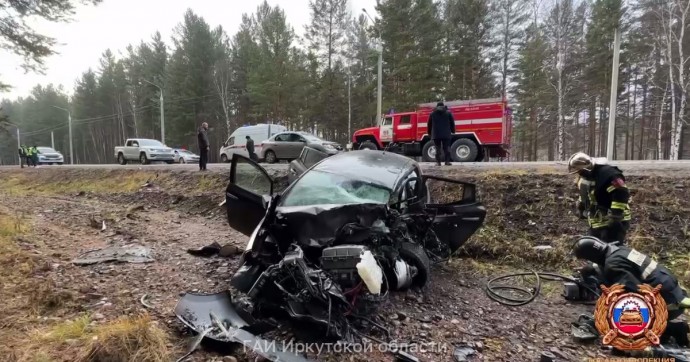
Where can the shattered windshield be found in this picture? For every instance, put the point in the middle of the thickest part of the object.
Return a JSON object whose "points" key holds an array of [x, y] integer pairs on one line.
{"points": [[323, 188]]}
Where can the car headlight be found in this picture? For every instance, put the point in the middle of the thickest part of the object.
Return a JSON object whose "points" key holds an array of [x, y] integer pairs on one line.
{"points": [[329, 147]]}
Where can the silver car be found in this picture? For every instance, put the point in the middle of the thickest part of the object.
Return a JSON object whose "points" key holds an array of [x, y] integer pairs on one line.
{"points": [[185, 156], [49, 156], [289, 145]]}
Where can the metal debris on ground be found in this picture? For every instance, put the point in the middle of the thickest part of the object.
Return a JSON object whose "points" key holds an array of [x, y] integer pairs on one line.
{"points": [[144, 302], [215, 249], [461, 353], [124, 254], [547, 357], [216, 312], [402, 356]]}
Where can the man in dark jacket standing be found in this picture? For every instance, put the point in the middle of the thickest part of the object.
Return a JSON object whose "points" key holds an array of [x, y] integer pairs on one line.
{"points": [[250, 149], [202, 137], [441, 126]]}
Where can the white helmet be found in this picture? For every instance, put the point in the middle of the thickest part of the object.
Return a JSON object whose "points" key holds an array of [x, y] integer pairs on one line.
{"points": [[580, 161]]}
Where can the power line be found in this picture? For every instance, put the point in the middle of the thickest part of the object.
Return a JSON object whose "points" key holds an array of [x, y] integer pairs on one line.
{"points": [[178, 101]]}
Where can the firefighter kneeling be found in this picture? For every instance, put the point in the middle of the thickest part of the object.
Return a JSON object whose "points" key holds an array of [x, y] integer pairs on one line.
{"points": [[623, 265]]}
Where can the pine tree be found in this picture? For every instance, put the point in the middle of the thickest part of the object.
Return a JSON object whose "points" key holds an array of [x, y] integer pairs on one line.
{"points": [[468, 41]]}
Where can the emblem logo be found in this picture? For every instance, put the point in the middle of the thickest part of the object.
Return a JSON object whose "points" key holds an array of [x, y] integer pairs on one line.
{"points": [[631, 321]]}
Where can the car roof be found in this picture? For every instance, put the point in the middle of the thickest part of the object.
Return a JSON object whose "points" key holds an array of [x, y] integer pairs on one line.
{"points": [[378, 167]]}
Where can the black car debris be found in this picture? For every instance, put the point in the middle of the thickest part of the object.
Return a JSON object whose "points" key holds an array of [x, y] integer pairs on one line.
{"points": [[326, 251]]}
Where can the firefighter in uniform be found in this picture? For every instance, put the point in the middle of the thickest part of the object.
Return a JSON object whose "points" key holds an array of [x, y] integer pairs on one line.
{"points": [[603, 197], [624, 265]]}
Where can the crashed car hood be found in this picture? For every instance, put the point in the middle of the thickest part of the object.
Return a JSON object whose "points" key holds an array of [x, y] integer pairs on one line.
{"points": [[317, 225]]}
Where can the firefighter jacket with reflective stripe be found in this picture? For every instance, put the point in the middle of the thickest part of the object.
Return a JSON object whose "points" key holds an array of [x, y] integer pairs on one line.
{"points": [[631, 268], [607, 196]]}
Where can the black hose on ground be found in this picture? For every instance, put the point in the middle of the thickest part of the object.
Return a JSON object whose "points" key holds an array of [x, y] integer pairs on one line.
{"points": [[491, 290]]}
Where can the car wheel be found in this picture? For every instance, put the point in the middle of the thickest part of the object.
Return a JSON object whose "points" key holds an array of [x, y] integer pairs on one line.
{"points": [[182, 160], [368, 145], [121, 159], [429, 152], [271, 157], [415, 255], [224, 158], [60, 163], [143, 159], [464, 150]]}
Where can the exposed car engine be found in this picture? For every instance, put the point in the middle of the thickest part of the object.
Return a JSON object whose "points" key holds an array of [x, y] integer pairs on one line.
{"points": [[338, 285]]}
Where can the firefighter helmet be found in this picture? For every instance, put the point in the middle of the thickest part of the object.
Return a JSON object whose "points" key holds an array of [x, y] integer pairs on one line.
{"points": [[580, 161], [592, 249]]}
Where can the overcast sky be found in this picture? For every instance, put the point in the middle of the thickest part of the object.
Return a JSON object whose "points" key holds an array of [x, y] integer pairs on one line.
{"points": [[116, 23]]}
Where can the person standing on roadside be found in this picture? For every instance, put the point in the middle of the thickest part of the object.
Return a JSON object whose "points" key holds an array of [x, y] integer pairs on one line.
{"points": [[34, 155], [441, 126], [249, 146], [22, 155], [204, 146]]}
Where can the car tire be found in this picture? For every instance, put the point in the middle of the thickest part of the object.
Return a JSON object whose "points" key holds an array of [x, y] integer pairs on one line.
{"points": [[270, 157], [121, 159], [464, 150], [169, 162], [59, 163], [223, 158], [368, 145], [143, 159], [415, 255], [182, 160], [426, 152]]}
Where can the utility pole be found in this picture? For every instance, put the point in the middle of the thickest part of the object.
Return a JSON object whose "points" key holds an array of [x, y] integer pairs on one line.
{"points": [[69, 126], [162, 110], [379, 47], [19, 145], [52, 140], [349, 109], [614, 92]]}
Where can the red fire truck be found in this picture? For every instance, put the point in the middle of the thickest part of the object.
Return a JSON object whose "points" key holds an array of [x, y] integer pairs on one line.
{"points": [[482, 129]]}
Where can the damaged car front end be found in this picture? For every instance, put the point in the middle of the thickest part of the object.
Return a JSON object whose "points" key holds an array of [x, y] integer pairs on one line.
{"points": [[326, 251]]}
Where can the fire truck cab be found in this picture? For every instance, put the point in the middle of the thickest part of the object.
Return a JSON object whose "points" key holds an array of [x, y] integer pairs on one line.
{"points": [[482, 130]]}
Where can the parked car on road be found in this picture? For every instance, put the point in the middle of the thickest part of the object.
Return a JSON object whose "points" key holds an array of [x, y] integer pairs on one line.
{"points": [[185, 156], [289, 145], [49, 156], [145, 151], [238, 139]]}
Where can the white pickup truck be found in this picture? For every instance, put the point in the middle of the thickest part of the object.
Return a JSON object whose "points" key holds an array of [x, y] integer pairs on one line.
{"points": [[145, 151]]}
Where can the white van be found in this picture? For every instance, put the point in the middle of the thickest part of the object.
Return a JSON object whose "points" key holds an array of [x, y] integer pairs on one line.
{"points": [[237, 140]]}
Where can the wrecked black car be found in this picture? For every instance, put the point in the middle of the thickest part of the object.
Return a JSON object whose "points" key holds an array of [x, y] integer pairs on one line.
{"points": [[328, 249], [347, 231]]}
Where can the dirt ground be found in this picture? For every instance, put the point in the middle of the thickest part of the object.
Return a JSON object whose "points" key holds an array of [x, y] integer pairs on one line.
{"points": [[56, 215]]}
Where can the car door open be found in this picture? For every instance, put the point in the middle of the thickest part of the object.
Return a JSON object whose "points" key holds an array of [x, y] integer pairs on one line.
{"points": [[459, 213], [246, 194]]}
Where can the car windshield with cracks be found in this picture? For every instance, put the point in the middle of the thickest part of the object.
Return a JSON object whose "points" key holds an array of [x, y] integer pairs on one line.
{"points": [[323, 188]]}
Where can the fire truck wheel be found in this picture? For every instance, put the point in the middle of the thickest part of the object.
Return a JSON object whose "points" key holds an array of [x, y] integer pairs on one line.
{"points": [[464, 150], [429, 152], [368, 145]]}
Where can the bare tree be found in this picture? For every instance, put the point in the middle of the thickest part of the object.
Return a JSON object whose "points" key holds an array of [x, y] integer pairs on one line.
{"points": [[677, 124]]}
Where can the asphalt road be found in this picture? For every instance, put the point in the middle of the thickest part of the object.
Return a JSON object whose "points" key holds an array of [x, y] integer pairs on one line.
{"points": [[629, 167]]}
